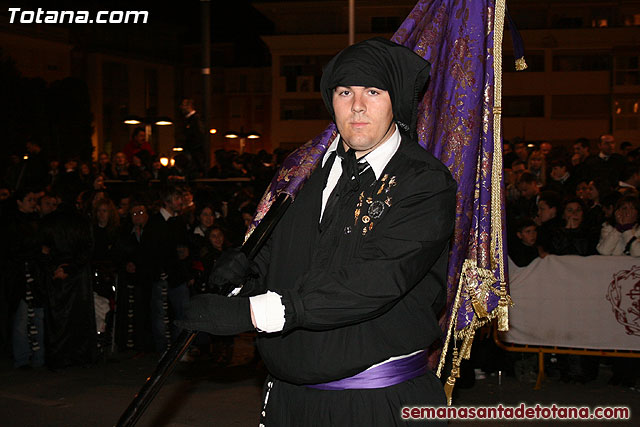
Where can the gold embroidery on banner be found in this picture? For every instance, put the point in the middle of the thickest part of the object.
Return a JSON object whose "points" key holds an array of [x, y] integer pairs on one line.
{"points": [[476, 282]]}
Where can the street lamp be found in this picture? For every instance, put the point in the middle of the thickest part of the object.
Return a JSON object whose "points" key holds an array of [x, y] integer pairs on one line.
{"points": [[242, 137], [148, 122]]}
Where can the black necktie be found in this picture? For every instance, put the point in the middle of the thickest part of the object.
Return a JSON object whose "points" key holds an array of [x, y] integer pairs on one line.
{"points": [[349, 180]]}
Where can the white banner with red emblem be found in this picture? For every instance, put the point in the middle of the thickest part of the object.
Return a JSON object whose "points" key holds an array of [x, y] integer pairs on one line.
{"points": [[572, 301]]}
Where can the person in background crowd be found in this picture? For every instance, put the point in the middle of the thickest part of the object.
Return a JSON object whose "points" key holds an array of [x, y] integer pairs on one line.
{"points": [[629, 180], [86, 175], [22, 283], [517, 169], [521, 150], [169, 229], [537, 166], [526, 204], [545, 148], [582, 190], [594, 217], [573, 238], [561, 180], [547, 220], [625, 148], [120, 169], [193, 133], [609, 202], [103, 167], [135, 253], [70, 316], [581, 159], [607, 163], [621, 237], [106, 227], [53, 174], [48, 203], [523, 250], [137, 143]]}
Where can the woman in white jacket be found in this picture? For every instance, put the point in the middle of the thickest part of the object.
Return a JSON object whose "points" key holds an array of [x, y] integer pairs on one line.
{"points": [[622, 238]]}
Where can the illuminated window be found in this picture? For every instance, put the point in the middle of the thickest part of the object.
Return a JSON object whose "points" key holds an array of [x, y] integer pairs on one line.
{"points": [[626, 109]]}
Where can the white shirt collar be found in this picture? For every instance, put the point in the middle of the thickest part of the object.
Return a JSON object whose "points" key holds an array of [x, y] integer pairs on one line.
{"points": [[377, 158], [165, 214]]}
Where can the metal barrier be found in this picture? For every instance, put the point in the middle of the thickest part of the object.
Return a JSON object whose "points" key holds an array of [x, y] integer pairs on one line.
{"points": [[541, 350]]}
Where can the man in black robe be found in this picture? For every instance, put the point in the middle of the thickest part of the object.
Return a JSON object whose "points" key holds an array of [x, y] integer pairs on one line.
{"points": [[347, 290]]}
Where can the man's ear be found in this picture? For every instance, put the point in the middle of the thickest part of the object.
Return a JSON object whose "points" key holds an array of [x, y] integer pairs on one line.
{"points": [[519, 234]]}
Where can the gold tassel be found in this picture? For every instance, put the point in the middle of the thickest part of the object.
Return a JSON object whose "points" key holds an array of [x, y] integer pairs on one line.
{"points": [[465, 350], [478, 306], [455, 373], [521, 64], [503, 309]]}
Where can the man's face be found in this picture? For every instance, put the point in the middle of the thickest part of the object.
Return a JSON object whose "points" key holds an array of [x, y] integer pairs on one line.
{"points": [[521, 150], [139, 216], [545, 147], [175, 203], [139, 138], [363, 116], [518, 170], [528, 189], [607, 144], [583, 152]]}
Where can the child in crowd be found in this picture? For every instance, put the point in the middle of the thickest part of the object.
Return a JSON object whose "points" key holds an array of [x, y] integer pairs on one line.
{"points": [[621, 237], [524, 249]]}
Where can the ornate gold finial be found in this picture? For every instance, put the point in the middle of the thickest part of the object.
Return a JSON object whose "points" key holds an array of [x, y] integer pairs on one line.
{"points": [[521, 65]]}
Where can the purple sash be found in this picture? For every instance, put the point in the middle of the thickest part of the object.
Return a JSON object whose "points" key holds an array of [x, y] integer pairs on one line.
{"points": [[385, 375]]}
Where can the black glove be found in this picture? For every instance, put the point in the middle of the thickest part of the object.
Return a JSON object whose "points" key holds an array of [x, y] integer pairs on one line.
{"points": [[231, 271], [217, 315]]}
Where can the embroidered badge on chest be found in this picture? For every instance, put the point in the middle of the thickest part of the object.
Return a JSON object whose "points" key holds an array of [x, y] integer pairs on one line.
{"points": [[375, 209]]}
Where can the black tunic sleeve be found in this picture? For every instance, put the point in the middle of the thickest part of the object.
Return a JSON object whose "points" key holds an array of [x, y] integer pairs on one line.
{"points": [[393, 258]]}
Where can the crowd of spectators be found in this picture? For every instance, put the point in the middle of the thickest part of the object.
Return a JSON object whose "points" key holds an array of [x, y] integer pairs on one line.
{"points": [[127, 232], [81, 239], [578, 201]]}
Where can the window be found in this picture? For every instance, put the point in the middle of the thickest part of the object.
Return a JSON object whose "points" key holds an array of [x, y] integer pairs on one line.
{"points": [[627, 71], [580, 106], [523, 106], [303, 109], [626, 109], [581, 62], [308, 66], [115, 105], [529, 18]]}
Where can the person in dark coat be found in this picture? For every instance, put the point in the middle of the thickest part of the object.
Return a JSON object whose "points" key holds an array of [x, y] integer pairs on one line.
{"points": [[23, 296], [70, 316], [352, 279]]}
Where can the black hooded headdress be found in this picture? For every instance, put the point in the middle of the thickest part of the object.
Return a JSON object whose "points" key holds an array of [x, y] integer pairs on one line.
{"points": [[385, 65]]}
